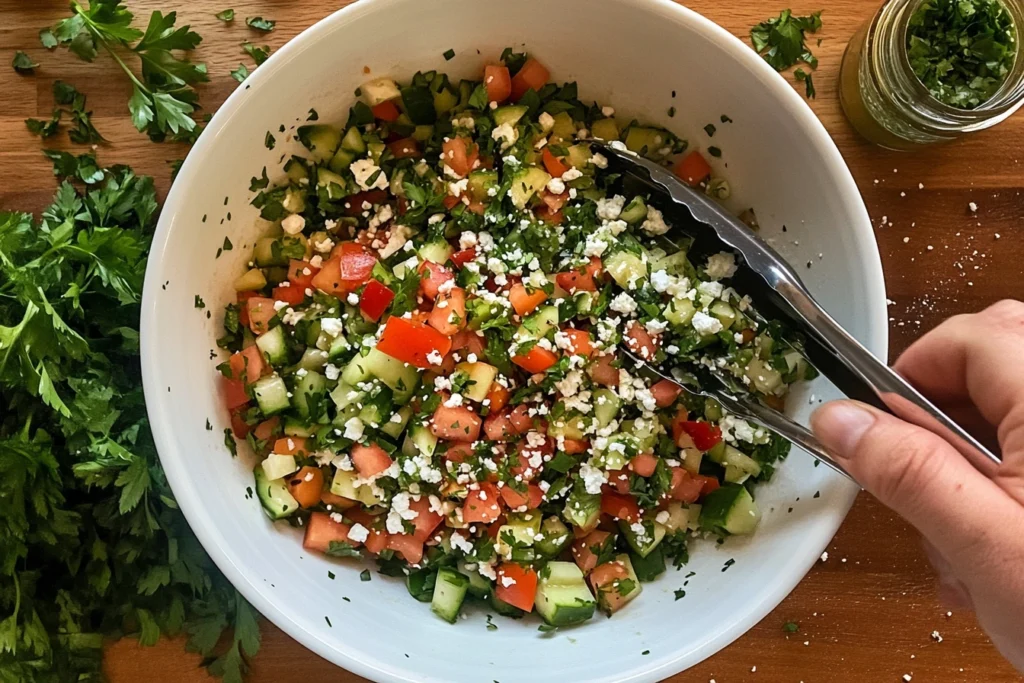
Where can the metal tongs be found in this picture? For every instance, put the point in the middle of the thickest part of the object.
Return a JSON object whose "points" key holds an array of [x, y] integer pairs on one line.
{"points": [[777, 290]]}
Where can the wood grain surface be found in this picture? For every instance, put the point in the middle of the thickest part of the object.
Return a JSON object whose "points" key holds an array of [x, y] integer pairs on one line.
{"points": [[865, 614]]}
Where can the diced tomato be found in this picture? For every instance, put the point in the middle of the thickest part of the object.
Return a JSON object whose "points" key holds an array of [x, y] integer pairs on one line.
{"points": [[321, 531], [411, 342], [377, 541], [644, 464], [466, 342], [261, 312], [618, 480], [354, 203], [579, 342], [524, 301], [585, 550], [266, 430], [665, 393], [575, 446], [533, 75], [409, 547], [370, 460], [494, 528], [239, 427], [458, 452], [483, 505], [243, 309], [328, 278], [386, 111], [552, 163], [604, 580], [685, 487], [517, 585], [298, 276], [497, 82], [459, 154], [234, 393], [457, 423], [462, 257], [248, 364], [514, 499], [449, 314], [293, 296], [291, 445], [497, 397], [640, 342], [450, 202], [375, 300], [306, 485], [498, 426], [406, 148], [336, 502], [619, 505], [704, 434], [708, 484], [356, 263], [546, 214], [693, 169], [603, 372], [583, 280], [555, 202], [536, 360], [432, 276], [520, 419], [426, 520]]}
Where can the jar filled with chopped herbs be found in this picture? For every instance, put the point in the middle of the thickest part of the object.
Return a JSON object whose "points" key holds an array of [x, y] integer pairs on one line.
{"points": [[924, 71]]}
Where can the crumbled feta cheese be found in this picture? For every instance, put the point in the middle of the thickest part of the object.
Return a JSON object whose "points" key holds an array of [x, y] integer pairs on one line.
{"points": [[721, 265], [398, 239], [506, 134], [609, 209], [467, 122], [599, 160], [556, 186], [623, 303], [608, 112], [571, 174], [333, 372], [593, 478], [354, 429], [381, 216], [454, 401], [435, 219], [711, 289], [468, 240], [546, 121], [456, 189], [654, 224], [363, 170], [358, 533], [459, 542], [352, 299], [293, 224], [292, 317], [706, 324], [661, 517]]}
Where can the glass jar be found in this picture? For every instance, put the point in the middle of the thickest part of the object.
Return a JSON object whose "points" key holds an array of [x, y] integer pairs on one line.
{"points": [[886, 102]]}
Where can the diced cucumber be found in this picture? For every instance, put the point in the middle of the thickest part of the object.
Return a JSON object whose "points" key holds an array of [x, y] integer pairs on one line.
{"points": [[250, 280], [505, 609], [266, 254], [679, 312], [418, 103], [374, 149], [271, 394], [555, 537], [627, 269], [673, 264], [312, 359], [712, 410], [538, 323], [763, 377], [634, 212], [730, 509], [393, 427], [644, 431], [606, 406], [523, 526], [422, 133], [337, 348], [294, 200], [646, 141], [572, 425], [481, 375], [321, 140], [422, 439], [377, 405], [691, 459], [274, 496], [525, 184], [480, 182], [296, 427], [479, 587], [644, 543], [345, 395], [296, 169], [421, 583], [450, 590], [564, 126], [563, 598], [341, 160], [403, 379], [353, 142], [379, 90], [277, 466], [273, 346], [444, 101], [344, 485], [510, 114], [579, 157], [332, 183], [582, 509], [650, 567], [605, 129], [309, 390], [678, 517], [436, 251], [725, 313], [738, 465]]}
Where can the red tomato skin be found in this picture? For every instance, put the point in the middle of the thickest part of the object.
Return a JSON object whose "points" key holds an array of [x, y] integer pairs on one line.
{"points": [[582, 280], [386, 111], [620, 506], [411, 342], [375, 300], [665, 393], [522, 590], [261, 312], [482, 505], [685, 487], [640, 342], [704, 434], [234, 393], [644, 464], [552, 163], [321, 530], [406, 148], [583, 549], [298, 276], [370, 460], [449, 314], [461, 258], [410, 548], [239, 427], [432, 276], [692, 169], [497, 82], [603, 372], [293, 296], [443, 424], [536, 360], [533, 75]]}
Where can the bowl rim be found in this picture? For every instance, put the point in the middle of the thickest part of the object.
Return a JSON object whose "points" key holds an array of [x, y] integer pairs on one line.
{"points": [[158, 408]]}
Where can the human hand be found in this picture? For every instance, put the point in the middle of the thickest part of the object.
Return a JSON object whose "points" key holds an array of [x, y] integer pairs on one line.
{"points": [[973, 525]]}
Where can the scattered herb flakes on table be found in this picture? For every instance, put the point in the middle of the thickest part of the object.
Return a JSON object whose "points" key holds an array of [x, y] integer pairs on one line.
{"points": [[92, 544], [781, 41]]}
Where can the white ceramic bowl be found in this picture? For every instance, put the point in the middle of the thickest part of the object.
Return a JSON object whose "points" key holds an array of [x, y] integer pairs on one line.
{"points": [[631, 54]]}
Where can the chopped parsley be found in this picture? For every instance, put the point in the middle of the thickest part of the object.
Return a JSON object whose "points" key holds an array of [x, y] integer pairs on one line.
{"points": [[260, 24], [23, 64], [781, 41], [449, 54], [226, 15]]}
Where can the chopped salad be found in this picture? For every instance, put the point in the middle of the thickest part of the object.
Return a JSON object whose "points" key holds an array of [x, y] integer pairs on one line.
{"points": [[424, 351]]}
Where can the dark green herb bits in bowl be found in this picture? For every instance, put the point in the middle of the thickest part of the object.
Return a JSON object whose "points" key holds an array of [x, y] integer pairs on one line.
{"points": [[962, 50]]}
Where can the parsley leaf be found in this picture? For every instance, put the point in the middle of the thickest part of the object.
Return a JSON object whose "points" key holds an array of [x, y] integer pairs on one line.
{"points": [[780, 40], [241, 73], [226, 15], [258, 54], [260, 24], [23, 64]]}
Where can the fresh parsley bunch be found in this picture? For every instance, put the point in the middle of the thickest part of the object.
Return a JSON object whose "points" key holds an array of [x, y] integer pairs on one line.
{"points": [[92, 544], [163, 97]]}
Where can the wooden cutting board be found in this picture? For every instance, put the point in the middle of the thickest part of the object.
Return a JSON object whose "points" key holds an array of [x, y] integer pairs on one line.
{"points": [[865, 614]]}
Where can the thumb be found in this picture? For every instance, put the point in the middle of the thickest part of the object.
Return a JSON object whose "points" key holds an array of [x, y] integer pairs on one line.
{"points": [[916, 473]]}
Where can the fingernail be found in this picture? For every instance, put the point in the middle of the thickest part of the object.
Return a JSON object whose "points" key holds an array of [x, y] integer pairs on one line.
{"points": [[841, 425]]}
